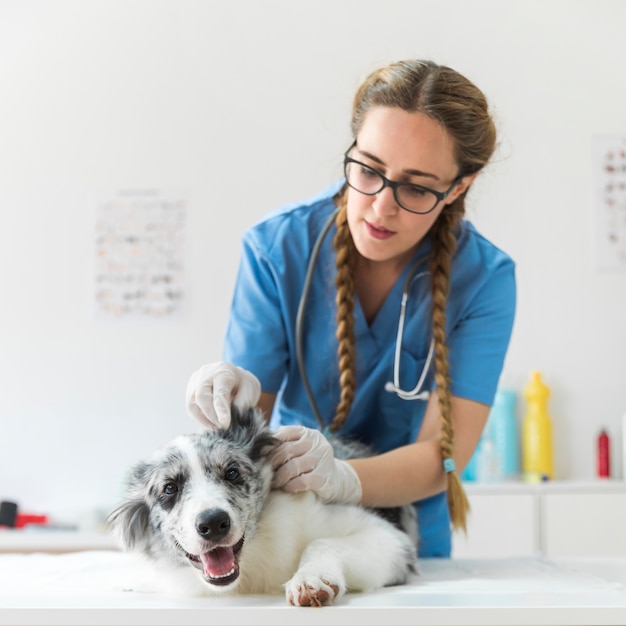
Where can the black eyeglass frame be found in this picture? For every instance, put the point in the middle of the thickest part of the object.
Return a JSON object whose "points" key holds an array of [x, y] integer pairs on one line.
{"points": [[440, 195]]}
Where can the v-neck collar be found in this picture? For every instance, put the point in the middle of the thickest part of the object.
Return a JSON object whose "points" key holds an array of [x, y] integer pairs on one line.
{"points": [[382, 330]]}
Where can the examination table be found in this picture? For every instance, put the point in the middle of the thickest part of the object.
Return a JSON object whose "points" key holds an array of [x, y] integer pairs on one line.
{"points": [[108, 587]]}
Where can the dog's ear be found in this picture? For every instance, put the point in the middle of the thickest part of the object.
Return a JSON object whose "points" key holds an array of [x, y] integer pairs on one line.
{"points": [[130, 520], [250, 428]]}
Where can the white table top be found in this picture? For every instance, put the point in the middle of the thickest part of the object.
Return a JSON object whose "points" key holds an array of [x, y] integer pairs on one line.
{"points": [[104, 587]]}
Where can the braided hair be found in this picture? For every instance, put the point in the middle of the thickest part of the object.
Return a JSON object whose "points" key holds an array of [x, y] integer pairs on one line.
{"points": [[461, 108]]}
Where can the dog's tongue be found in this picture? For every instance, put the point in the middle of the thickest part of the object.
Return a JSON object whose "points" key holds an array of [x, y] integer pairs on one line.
{"points": [[218, 562]]}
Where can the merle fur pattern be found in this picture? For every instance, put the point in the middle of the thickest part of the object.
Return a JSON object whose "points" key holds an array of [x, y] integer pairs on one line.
{"points": [[202, 511]]}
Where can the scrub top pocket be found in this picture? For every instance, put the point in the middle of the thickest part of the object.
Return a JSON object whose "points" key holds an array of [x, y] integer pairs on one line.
{"points": [[402, 418]]}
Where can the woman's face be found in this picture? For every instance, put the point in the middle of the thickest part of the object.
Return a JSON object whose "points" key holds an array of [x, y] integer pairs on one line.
{"points": [[404, 147]]}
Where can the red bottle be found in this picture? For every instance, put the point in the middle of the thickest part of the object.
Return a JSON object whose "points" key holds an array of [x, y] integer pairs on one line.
{"points": [[604, 455]]}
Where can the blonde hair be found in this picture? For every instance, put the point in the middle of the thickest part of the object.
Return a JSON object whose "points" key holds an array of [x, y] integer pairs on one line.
{"points": [[461, 108]]}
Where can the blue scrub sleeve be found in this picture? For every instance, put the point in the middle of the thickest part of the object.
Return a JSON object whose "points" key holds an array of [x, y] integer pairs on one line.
{"points": [[482, 337], [255, 333]]}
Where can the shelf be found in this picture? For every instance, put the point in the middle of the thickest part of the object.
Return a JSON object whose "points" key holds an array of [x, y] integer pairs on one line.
{"points": [[599, 485], [552, 519]]}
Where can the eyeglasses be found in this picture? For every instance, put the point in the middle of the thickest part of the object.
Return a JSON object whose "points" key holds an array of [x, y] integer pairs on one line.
{"points": [[411, 197]]}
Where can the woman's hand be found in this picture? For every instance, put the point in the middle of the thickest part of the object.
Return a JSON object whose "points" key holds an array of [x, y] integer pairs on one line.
{"points": [[214, 387], [305, 461]]}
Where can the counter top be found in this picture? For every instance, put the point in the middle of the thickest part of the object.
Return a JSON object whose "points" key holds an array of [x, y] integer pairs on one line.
{"points": [[106, 587], [54, 541]]}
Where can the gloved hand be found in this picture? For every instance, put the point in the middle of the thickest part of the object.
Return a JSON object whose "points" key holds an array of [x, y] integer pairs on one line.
{"points": [[214, 387], [305, 460]]}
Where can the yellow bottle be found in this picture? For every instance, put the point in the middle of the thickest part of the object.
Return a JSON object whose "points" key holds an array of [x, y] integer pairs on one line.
{"points": [[537, 451]]}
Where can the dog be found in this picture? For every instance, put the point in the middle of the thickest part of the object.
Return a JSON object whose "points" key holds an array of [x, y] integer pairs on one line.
{"points": [[202, 510]]}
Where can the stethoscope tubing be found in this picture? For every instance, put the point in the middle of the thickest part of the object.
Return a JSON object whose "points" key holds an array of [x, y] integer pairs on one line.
{"points": [[416, 393], [308, 279]]}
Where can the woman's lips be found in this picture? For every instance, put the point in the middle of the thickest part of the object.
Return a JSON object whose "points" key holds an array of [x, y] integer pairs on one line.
{"points": [[378, 232]]}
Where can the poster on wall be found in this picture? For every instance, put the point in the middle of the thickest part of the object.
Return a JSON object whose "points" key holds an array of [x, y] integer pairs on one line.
{"points": [[139, 245], [609, 165]]}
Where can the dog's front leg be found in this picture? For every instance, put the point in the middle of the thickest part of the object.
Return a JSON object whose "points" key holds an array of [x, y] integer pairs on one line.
{"points": [[320, 578], [330, 566]]}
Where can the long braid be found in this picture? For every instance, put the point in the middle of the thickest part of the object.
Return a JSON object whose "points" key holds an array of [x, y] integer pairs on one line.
{"points": [[462, 109], [443, 247], [345, 260]]}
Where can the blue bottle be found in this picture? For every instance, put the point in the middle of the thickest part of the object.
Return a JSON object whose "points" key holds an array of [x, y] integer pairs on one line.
{"points": [[503, 430]]}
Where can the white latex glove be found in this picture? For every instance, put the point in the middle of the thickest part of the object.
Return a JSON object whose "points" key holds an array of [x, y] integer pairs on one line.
{"points": [[214, 387], [305, 460]]}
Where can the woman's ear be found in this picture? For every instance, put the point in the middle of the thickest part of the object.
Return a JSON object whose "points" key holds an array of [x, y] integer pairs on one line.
{"points": [[461, 188]]}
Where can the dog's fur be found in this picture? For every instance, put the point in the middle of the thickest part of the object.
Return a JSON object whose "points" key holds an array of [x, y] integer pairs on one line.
{"points": [[202, 508]]}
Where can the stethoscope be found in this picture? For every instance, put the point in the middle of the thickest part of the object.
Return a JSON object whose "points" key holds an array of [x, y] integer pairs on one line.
{"points": [[417, 393]]}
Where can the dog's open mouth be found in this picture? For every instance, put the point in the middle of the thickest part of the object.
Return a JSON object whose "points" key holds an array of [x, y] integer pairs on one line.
{"points": [[220, 566]]}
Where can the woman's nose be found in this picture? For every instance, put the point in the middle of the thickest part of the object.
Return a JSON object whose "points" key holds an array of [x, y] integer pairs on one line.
{"points": [[385, 202]]}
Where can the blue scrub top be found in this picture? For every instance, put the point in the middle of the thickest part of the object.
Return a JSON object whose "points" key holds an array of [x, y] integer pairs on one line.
{"points": [[260, 335]]}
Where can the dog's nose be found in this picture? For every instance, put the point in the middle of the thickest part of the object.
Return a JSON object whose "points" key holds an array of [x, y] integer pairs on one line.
{"points": [[213, 524]]}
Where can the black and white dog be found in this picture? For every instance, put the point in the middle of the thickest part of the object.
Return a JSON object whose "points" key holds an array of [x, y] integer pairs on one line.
{"points": [[202, 509]]}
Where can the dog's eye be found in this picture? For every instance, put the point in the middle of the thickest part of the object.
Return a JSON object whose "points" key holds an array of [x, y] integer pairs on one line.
{"points": [[232, 474], [170, 489]]}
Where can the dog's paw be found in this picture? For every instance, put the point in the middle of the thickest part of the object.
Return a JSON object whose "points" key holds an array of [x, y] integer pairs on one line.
{"points": [[312, 590]]}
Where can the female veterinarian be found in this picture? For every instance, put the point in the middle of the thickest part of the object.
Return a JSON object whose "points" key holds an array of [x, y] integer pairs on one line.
{"points": [[374, 309]]}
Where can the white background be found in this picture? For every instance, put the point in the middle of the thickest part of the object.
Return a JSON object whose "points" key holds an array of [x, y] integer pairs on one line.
{"points": [[244, 106]]}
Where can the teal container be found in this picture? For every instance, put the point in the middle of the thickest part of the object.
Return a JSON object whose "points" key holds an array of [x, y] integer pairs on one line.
{"points": [[504, 430]]}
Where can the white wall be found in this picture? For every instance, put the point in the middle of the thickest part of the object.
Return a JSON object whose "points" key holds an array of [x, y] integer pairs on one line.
{"points": [[245, 106]]}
